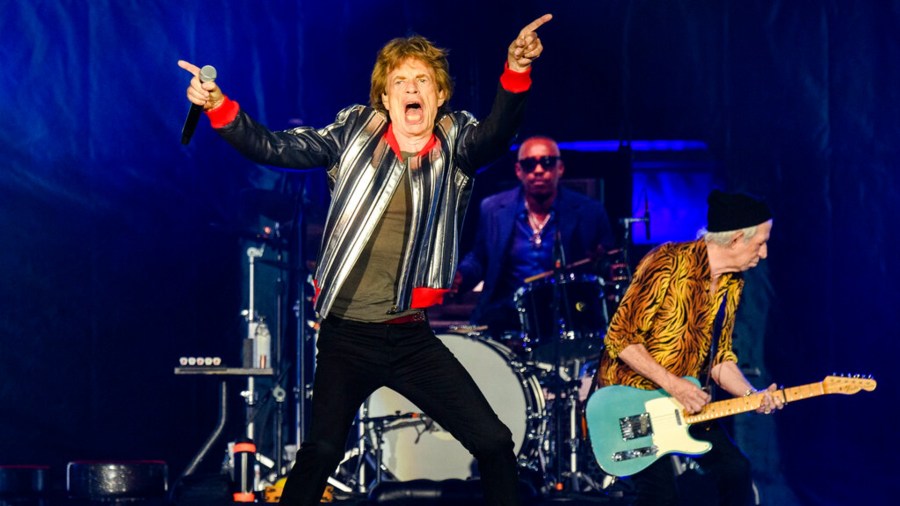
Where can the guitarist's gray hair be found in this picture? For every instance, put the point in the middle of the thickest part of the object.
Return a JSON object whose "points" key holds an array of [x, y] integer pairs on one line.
{"points": [[724, 237]]}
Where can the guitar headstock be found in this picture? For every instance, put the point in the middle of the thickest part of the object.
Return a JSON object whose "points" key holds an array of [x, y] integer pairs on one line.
{"points": [[848, 384]]}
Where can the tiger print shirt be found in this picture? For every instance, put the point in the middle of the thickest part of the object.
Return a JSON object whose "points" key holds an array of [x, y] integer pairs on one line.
{"points": [[668, 309]]}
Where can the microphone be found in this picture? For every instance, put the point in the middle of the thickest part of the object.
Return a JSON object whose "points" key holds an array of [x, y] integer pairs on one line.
{"points": [[207, 75], [647, 217], [559, 253]]}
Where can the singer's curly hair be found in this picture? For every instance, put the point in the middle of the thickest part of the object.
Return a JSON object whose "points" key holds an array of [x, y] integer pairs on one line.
{"points": [[396, 52]]}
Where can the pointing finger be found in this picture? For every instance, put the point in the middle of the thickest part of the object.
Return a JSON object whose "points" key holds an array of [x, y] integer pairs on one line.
{"points": [[537, 23], [190, 67]]}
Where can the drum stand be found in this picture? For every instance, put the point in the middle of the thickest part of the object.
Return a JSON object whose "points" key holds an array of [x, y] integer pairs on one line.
{"points": [[565, 404], [568, 476], [370, 450]]}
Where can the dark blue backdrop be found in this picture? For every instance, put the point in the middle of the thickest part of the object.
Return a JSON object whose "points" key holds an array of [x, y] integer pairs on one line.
{"points": [[111, 271]]}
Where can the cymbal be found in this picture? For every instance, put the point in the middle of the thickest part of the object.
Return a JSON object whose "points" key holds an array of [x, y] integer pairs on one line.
{"points": [[611, 254]]}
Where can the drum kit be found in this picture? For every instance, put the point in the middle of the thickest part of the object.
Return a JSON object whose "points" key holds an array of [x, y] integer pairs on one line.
{"points": [[537, 382], [536, 379]]}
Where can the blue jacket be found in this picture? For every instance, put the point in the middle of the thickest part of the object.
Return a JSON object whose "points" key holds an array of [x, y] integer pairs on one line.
{"points": [[583, 225]]}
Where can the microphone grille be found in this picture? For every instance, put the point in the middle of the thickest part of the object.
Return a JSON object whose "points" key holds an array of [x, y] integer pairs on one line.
{"points": [[207, 74]]}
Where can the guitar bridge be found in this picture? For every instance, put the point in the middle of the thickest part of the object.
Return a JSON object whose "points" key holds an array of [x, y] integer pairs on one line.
{"points": [[633, 427], [635, 453]]}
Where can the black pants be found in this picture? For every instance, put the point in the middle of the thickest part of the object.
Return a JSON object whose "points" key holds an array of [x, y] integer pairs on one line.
{"points": [[728, 467], [354, 359]]}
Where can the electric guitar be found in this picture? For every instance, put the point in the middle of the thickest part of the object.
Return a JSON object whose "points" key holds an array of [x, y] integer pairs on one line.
{"points": [[630, 428]]}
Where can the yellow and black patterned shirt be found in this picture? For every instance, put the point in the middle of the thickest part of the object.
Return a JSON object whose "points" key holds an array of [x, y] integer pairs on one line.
{"points": [[669, 309]]}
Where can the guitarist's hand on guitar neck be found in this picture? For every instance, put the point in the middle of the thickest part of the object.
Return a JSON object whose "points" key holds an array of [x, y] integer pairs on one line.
{"points": [[770, 401], [689, 395]]}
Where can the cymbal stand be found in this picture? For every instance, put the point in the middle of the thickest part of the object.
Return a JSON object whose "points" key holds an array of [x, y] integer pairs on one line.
{"points": [[565, 405], [560, 327]]}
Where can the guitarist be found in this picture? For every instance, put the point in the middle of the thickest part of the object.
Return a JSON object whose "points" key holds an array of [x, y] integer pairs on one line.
{"points": [[664, 329]]}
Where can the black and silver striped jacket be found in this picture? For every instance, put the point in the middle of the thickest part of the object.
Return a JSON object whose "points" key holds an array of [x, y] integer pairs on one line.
{"points": [[364, 169]]}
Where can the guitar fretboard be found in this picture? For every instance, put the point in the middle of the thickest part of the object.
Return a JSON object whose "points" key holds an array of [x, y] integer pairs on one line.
{"points": [[830, 385]]}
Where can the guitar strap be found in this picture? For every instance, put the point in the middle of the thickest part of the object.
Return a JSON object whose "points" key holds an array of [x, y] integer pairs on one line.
{"points": [[716, 333]]}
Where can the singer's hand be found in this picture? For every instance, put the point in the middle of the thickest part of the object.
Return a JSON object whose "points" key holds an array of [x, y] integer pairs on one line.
{"points": [[207, 95], [526, 47]]}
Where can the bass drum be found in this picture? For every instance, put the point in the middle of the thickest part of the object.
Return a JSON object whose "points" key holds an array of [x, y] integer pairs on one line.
{"points": [[418, 448]]}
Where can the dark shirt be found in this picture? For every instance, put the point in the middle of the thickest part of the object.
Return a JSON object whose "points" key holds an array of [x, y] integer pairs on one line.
{"points": [[503, 255], [370, 292]]}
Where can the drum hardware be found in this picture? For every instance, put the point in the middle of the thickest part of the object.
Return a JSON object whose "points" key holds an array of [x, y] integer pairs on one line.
{"points": [[572, 335], [378, 425], [565, 316], [467, 330], [564, 444], [412, 446], [547, 274]]}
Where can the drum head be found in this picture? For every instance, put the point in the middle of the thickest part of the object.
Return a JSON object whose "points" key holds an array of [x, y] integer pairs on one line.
{"points": [[575, 329], [421, 449]]}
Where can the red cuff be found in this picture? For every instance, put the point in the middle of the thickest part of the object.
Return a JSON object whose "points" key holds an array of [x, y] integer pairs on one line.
{"points": [[423, 297], [224, 114], [515, 82]]}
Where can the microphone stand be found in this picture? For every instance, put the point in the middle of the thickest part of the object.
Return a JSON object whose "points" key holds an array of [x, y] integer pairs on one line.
{"points": [[628, 243]]}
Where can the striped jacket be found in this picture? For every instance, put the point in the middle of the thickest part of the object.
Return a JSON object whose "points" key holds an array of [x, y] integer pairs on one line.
{"points": [[364, 167]]}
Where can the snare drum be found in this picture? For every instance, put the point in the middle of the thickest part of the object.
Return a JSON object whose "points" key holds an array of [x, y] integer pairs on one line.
{"points": [[582, 318], [421, 449]]}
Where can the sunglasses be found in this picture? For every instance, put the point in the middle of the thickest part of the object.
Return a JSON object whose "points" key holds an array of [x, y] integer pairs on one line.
{"points": [[529, 164]]}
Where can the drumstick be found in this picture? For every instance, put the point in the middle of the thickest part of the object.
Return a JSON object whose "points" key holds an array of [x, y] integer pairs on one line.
{"points": [[548, 273]]}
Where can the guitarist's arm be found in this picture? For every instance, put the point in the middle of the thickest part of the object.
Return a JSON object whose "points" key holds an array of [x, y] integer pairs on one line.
{"points": [[689, 395], [729, 376]]}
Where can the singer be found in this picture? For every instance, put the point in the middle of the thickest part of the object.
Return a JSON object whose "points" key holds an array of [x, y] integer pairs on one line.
{"points": [[401, 172], [517, 231]]}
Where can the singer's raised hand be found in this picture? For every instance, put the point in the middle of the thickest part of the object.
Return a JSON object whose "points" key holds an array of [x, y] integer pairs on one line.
{"points": [[207, 95], [527, 46]]}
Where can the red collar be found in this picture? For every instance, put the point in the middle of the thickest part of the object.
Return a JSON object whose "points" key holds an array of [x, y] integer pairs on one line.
{"points": [[392, 141]]}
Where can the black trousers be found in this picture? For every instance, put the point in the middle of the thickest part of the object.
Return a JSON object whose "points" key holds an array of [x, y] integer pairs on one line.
{"points": [[354, 359], [728, 467]]}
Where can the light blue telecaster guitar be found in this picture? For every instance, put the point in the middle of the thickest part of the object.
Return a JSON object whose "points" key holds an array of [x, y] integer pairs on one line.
{"points": [[631, 428]]}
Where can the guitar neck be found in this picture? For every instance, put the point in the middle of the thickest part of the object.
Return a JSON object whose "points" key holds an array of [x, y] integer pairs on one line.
{"points": [[737, 405]]}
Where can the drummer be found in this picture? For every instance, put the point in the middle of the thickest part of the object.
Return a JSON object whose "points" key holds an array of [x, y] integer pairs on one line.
{"points": [[517, 230]]}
